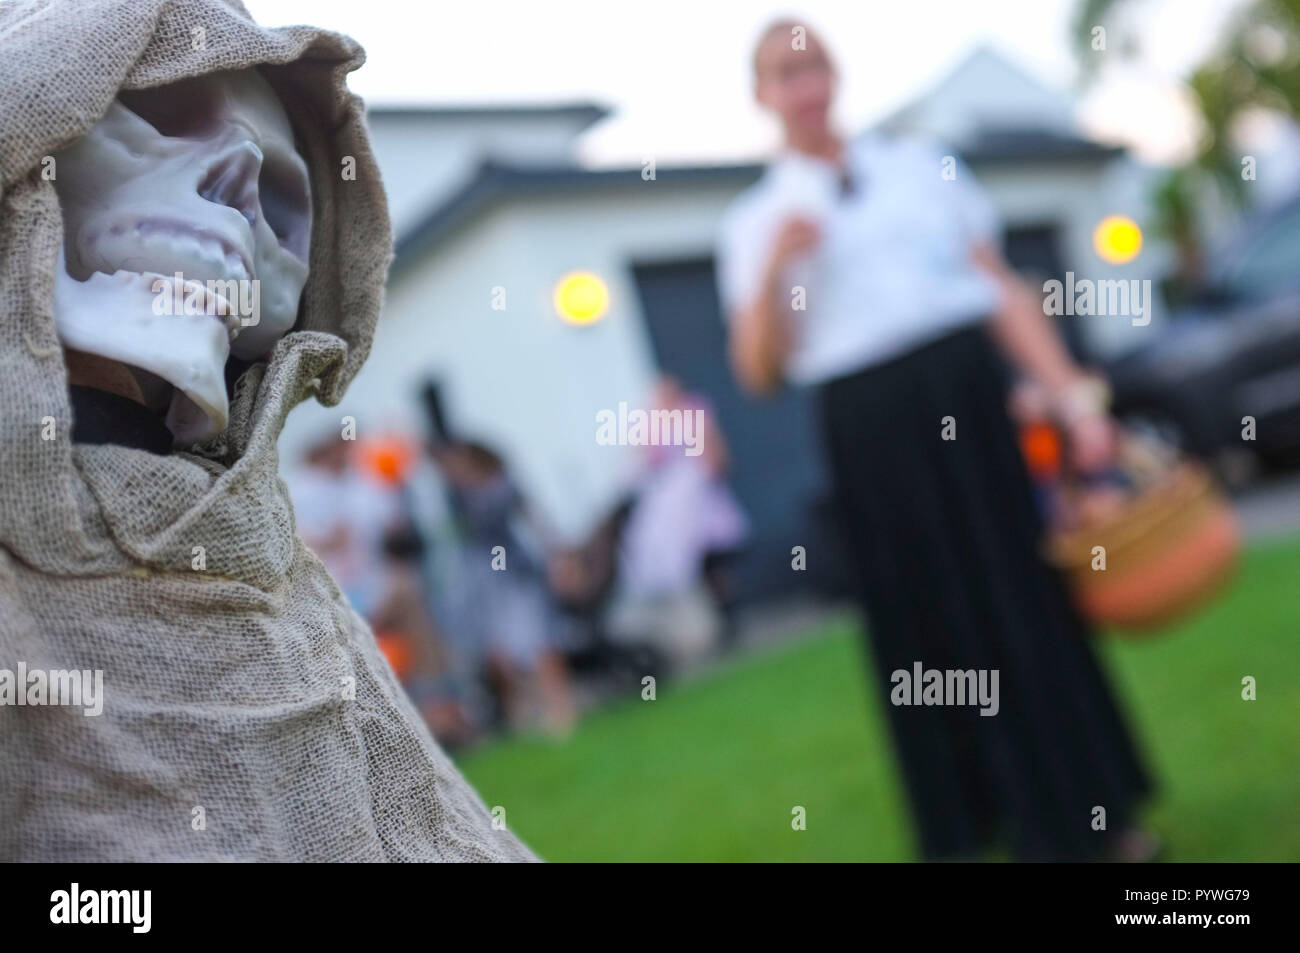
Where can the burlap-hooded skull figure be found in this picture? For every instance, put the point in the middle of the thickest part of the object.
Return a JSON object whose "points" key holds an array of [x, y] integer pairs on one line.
{"points": [[245, 711]]}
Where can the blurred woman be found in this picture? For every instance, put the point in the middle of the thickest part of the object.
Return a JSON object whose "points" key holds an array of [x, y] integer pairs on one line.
{"points": [[870, 271]]}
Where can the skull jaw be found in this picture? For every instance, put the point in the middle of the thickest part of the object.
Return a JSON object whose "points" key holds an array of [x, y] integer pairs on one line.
{"points": [[113, 316]]}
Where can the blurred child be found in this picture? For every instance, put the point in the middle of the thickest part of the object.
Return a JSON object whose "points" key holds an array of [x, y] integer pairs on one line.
{"points": [[505, 608]]}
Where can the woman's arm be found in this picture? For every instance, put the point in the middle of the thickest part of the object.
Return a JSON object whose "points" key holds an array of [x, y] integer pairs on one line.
{"points": [[760, 332], [1030, 341], [1021, 328]]}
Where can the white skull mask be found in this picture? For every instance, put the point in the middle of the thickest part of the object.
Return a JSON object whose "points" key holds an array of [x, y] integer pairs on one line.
{"points": [[199, 178]]}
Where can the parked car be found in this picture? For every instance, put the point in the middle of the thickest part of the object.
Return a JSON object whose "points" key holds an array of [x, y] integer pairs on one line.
{"points": [[1232, 353]]}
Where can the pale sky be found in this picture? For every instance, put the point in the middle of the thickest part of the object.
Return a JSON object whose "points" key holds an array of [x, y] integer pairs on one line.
{"points": [[676, 72]]}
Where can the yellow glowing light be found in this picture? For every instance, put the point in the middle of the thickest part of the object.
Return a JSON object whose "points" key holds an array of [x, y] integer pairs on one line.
{"points": [[1118, 239], [581, 298]]}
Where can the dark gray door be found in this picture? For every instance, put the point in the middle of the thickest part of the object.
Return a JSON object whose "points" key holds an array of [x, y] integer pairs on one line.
{"points": [[776, 464]]}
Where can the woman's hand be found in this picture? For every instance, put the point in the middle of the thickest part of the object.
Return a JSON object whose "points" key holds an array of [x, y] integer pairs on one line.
{"points": [[795, 238], [1092, 435], [1093, 442]]}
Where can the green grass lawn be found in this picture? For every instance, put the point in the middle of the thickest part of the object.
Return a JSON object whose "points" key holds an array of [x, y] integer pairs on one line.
{"points": [[712, 768]]}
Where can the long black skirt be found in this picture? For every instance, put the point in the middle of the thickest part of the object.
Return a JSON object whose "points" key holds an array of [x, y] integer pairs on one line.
{"points": [[947, 541]]}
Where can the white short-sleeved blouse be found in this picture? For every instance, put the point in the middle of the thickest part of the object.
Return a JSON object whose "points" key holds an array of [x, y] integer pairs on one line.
{"points": [[894, 266]]}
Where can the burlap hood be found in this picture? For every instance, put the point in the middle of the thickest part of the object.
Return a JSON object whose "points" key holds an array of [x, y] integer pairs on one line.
{"points": [[238, 683]]}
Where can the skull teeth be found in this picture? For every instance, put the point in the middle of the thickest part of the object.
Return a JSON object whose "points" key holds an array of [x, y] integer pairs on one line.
{"points": [[214, 304]]}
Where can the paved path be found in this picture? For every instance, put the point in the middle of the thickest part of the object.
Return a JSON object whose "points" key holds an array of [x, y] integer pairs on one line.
{"points": [[1271, 508]]}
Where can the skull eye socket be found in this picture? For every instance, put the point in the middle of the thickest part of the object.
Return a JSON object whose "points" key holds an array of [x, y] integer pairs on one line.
{"points": [[285, 198], [176, 110]]}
